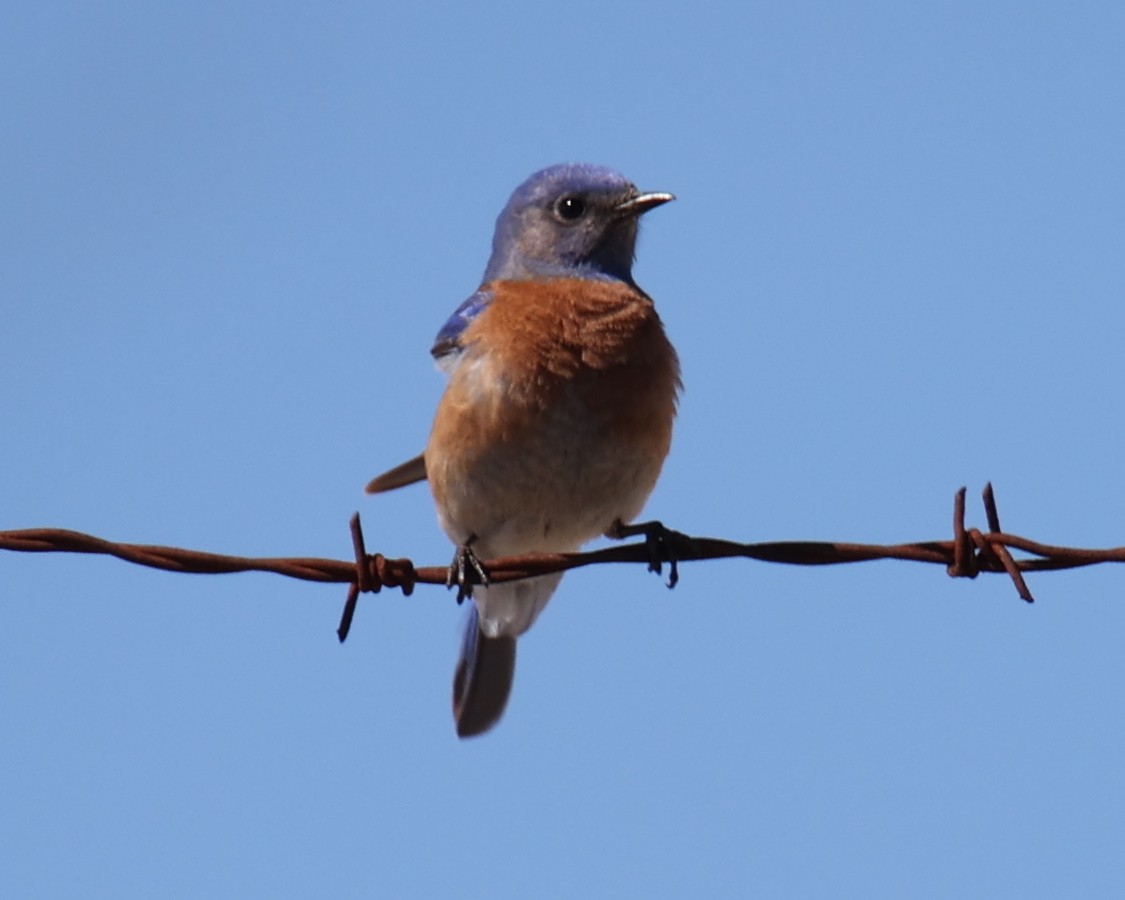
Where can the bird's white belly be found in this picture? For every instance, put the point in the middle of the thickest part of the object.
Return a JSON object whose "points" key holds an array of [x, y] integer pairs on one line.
{"points": [[563, 485]]}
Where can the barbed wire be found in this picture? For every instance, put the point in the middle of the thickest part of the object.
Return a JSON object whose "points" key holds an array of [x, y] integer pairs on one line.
{"points": [[970, 552]]}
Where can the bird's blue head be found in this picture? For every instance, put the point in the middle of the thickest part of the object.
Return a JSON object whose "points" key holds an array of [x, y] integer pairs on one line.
{"points": [[573, 219]]}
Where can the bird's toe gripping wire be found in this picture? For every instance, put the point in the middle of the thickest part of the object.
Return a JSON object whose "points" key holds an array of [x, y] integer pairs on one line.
{"points": [[663, 545], [466, 570]]}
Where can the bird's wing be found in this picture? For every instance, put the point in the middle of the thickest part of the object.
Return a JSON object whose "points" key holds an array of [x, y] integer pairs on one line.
{"points": [[448, 340], [445, 349], [400, 476]]}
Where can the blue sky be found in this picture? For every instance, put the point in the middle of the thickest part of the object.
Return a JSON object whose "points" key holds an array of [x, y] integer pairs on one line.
{"points": [[229, 233]]}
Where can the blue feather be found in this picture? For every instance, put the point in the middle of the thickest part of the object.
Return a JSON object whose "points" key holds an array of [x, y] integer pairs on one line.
{"points": [[446, 342]]}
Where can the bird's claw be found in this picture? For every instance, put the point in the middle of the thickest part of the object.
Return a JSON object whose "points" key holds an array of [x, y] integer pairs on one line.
{"points": [[663, 545], [466, 570]]}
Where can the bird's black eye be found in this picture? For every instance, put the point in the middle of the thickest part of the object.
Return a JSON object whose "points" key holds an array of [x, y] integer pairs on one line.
{"points": [[570, 208]]}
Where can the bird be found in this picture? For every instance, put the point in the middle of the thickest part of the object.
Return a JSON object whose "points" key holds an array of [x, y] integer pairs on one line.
{"points": [[557, 415]]}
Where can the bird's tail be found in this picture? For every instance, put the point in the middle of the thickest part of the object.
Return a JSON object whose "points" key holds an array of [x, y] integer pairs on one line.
{"points": [[483, 679]]}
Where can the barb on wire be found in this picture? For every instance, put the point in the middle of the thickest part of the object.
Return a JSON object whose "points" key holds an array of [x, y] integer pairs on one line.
{"points": [[970, 552]]}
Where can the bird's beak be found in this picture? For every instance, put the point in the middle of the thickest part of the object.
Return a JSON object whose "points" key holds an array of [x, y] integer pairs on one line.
{"points": [[642, 203]]}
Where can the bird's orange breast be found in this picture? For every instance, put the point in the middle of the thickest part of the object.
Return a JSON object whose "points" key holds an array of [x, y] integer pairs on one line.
{"points": [[558, 414], [601, 339]]}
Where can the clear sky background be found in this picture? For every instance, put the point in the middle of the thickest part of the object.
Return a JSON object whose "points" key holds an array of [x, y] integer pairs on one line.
{"points": [[228, 234]]}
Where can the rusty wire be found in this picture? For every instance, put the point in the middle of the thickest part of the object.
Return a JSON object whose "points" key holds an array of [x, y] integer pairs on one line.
{"points": [[970, 552]]}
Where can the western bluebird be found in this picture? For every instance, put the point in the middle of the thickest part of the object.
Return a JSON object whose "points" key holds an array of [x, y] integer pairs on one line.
{"points": [[558, 412]]}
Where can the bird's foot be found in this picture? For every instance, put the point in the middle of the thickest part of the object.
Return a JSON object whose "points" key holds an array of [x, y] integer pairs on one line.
{"points": [[466, 570], [663, 545]]}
